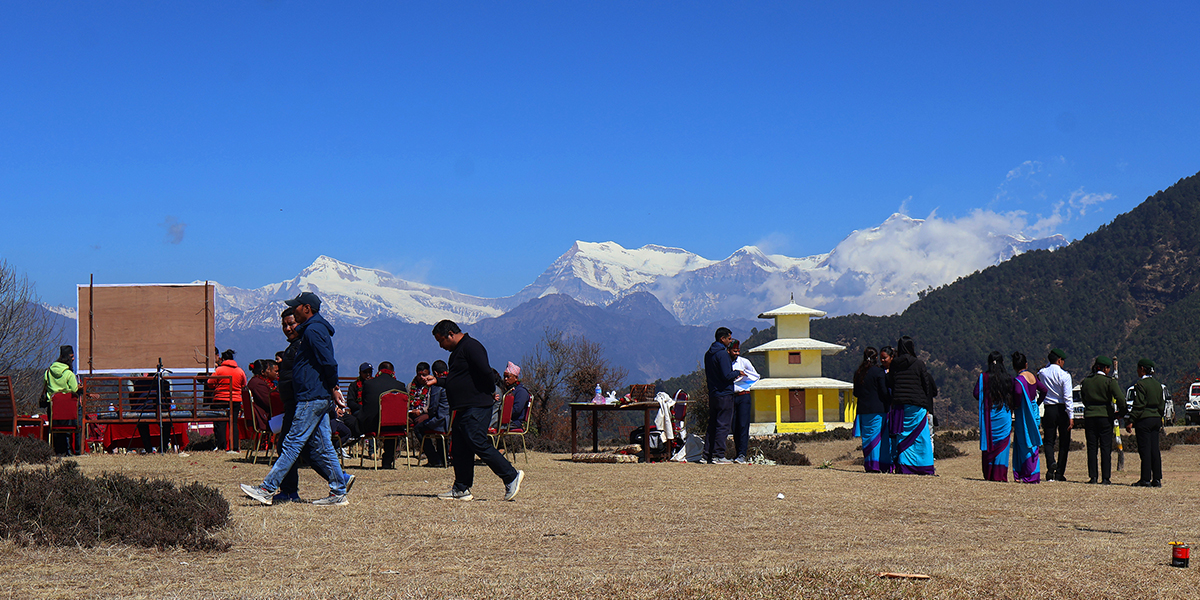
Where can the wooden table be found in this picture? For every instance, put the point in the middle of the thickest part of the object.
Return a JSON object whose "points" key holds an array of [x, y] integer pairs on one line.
{"points": [[596, 409]]}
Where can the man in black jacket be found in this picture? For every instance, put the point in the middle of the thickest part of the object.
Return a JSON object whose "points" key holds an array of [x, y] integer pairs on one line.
{"points": [[368, 416], [469, 389], [719, 373]]}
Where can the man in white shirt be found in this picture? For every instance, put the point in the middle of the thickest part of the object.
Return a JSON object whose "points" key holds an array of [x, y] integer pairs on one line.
{"points": [[743, 406], [1056, 422]]}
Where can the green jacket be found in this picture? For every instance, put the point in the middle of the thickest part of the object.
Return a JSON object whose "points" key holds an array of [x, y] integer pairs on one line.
{"points": [[59, 378], [1099, 392], [1147, 400]]}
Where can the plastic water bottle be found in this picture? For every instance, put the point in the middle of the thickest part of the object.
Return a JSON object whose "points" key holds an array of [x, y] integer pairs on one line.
{"points": [[599, 397]]}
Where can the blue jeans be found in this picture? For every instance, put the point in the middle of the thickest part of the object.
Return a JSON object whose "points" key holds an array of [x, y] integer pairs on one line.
{"points": [[310, 428], [743, 411], [291, 481]]}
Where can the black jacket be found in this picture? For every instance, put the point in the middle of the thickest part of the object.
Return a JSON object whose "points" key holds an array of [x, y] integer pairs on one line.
{"points": [[469, 384], [383, 383], [872, 392], [910, 382], [718, 370]]}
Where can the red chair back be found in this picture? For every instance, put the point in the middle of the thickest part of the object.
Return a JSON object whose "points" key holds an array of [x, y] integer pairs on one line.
{"points": [[64, 407], [506, 409], [393, 410]]}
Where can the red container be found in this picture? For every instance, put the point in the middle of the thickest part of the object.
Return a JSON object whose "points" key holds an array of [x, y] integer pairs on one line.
{"points": [[1180, 554]]}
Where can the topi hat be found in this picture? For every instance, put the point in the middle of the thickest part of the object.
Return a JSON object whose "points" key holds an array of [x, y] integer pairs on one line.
{"points": [[514, 369]]}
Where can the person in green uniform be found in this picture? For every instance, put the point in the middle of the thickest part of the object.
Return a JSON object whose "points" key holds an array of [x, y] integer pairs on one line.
{"points": [[1102, 402], [1145, 417]]}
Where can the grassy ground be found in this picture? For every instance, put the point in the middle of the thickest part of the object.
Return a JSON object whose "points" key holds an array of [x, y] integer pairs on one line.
{"points": [[660, 530]]}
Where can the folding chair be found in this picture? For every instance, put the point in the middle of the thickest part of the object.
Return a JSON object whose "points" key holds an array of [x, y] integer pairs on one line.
{"points": [[262, 432], [508, 430], [506, 409], [444, 437], [393, 424]]}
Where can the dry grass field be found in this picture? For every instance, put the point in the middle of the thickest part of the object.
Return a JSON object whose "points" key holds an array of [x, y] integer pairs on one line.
{"points": [[658, 531]]}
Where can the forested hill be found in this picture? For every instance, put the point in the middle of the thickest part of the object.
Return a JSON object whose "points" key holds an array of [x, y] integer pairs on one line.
{"points": [[1129, 289]]}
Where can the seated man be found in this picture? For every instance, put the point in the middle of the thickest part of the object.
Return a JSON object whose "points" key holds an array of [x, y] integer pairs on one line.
{"points": [[520, 396], [433, 416], [368, 417]]}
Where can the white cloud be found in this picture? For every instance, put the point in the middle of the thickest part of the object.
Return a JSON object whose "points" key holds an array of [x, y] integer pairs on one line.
{"points": [[175, 230]]}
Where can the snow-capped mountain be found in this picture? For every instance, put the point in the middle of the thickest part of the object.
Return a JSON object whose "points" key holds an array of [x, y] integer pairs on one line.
{"points": [[875, 271], [350, 295]]}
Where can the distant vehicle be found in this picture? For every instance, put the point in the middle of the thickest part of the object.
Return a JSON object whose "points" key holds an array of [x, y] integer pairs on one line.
{"points": [[1192, 408]]}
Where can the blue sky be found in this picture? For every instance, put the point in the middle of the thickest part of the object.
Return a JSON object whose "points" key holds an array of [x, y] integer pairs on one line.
{"points": [[469, 144]]}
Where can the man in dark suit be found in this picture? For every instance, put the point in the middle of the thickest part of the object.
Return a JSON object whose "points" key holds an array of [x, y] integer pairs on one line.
{"points": [[368, 415]]}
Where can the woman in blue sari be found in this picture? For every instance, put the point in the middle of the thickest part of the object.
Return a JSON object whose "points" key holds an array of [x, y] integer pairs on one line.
{"points": [[994, 390], [1027, 438], [870, 387], [913, 391]]}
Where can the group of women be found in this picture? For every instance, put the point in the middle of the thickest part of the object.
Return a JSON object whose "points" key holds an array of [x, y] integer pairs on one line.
{"points": [[895, 394], [1008, 416]]}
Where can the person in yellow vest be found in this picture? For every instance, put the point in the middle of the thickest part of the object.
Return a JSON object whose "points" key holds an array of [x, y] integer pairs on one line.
{"points": [[59, 379]]}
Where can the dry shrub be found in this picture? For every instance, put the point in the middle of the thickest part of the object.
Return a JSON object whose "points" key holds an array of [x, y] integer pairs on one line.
{"points": [[62, 507], [1187, 437], [780, 449], [832, 435], [943, 450], [201, 443], [17, 450], [954, 437]]}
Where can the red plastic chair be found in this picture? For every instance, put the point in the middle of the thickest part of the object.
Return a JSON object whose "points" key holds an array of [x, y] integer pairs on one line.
{"points": [[393, 424], [65, 407], [506, 409]]}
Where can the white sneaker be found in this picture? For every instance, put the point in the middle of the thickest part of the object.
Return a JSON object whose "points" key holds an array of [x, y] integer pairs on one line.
{"points": [[332, 500], [258, 493], [456, 494], [511, 488]]}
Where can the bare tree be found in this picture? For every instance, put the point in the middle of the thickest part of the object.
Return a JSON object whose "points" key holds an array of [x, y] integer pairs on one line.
{"points": [[563, 369], [28, 336]]}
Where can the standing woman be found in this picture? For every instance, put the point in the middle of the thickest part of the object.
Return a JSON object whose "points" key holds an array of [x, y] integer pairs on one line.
{"points": [[870, 387], [913, 391], [994, 390], [1027, 438]]}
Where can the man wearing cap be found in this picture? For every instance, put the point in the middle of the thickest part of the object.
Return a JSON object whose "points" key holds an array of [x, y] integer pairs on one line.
{"points": [[1146, 418], [1056, 422], [60, 379], [469, 386], [315, 387], [1102, 402]]}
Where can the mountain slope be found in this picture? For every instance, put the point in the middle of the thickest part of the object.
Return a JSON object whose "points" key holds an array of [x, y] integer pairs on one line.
{"points": [[1128, 289]]}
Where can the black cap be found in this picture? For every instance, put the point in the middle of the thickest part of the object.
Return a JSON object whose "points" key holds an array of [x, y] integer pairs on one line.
{"points": [[308, 298], [365, 367]]}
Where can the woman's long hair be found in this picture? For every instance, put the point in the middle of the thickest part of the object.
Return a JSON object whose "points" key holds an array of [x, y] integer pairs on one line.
{"points": [[999, 382], [870, 359]]}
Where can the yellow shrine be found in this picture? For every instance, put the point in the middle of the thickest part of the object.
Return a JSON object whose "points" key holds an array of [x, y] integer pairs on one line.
{"points": [[793, 396]]}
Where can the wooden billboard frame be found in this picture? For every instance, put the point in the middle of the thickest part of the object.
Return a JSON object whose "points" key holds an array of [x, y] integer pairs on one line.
{"points": [[131, 327]]}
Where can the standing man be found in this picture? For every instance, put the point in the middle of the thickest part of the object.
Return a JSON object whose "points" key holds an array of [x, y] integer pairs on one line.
{"points": [[60, 379], [315, 386], [1059, 412], [718, 371], [1146, 418], [469, 386], [743, 406], [1102, 402]]}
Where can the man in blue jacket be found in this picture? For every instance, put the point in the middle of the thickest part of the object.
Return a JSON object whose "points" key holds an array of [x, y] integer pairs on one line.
{"points": [[718, 371], [315, 387]]}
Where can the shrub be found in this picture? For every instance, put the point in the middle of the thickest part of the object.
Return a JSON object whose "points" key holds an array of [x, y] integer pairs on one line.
{"points": [[943, 450], [970, 435], [839, 434], [16, 450], [780, 449], [201, 443], [62, 507]]}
